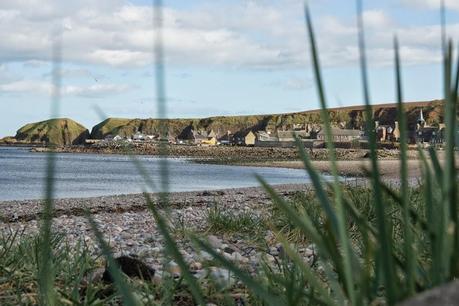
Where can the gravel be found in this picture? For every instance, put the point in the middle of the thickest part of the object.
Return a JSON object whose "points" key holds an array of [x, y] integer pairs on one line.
{"points": [[130, 229]]}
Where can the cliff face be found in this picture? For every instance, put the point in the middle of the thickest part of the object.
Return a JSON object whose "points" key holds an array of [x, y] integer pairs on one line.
{"points": [[54, 131], [347, 117]]}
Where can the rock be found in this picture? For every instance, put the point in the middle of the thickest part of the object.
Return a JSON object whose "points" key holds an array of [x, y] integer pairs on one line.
{"points": [[214, 241], [132, 267], [204, 256], [445, 295], [222, 276], [270, 258], [228, 250], [309, 252], [238, 257], [174, 269], [195, 266], [93, 277], [157, 280]]}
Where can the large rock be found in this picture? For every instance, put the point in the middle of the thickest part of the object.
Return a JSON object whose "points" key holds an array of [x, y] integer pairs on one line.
{"points": [[446, 295], [57, 132], [132, 267]]}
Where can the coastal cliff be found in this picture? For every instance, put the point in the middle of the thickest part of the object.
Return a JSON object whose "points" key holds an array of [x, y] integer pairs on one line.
{"points": [[351, 117], [57, 132]]}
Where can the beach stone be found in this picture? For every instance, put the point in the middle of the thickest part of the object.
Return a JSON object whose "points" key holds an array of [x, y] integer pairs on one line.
{"points": [[238, 257], [309, 252], [132, 267], [270, 258], [228, 250], [174, 269], [222, 276], [196, 266], [204, 256], [445, 295], [214, 241]]}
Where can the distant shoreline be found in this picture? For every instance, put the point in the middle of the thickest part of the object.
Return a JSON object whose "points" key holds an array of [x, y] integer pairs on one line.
{"points": [[351, 162]]}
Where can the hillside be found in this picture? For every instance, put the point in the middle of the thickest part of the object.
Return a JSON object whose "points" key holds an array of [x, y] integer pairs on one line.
{"points": [[54, 131], [348, 117]]}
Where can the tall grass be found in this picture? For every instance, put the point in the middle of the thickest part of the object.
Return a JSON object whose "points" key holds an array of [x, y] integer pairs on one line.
{"points": [[385, 252]]}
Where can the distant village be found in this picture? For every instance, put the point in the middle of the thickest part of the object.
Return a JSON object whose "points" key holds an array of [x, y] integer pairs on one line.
{"points": [[312, 135]]}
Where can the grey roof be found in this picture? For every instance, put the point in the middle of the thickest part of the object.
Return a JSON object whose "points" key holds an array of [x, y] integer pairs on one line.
{"points": [[342, 132], [289, 134]]}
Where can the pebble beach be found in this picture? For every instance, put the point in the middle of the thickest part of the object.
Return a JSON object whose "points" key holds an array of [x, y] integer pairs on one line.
{"points": [[130, 229]]}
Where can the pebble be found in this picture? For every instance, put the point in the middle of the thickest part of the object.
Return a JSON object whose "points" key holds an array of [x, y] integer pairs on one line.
{"points": [[129, 229], [214, 241]]}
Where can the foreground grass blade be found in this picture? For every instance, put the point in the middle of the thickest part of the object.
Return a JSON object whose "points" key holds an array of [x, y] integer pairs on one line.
{"points": [[318, 186], [248, 280], [385, 232], [172, 250], [303, 222], [123, 288], [410, 259], [436, 164], [342, 231], [45, 269], [452, 171], [313, 280], [161, 100]]}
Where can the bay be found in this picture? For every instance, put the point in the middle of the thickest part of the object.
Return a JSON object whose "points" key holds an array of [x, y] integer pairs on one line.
{"points": [[23, 175]]}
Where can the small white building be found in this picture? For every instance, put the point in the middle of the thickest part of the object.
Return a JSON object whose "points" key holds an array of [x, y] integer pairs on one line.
{"points": [[138, 137]]}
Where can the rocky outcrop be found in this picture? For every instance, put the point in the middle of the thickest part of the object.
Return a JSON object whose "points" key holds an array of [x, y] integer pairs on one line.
{"points": [[57, 132], [351, 117], [446, 295]]}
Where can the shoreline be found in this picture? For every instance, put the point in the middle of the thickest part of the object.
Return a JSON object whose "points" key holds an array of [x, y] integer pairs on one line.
{"points": [[350, 162], [27, 210]]}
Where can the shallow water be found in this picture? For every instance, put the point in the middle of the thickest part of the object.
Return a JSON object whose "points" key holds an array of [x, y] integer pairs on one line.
{"points": [[23, 175]]}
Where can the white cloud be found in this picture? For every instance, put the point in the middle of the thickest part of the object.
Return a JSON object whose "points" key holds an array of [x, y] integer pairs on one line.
{"points": [[433, 4], [96, 90], [264, 35], [376, 19], [46, 88], [27, 86]]}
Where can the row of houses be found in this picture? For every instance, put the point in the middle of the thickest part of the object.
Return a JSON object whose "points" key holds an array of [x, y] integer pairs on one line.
{"points": [[265, 138], [307, 133], [421, 133]]}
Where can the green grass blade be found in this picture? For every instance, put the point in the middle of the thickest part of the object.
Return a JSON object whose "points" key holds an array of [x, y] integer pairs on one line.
{"points": [[410, 259], [172, 249], [318, 186], [449, 180], [326, 243], [161, 100], [450, 183], [436, 165], [46, 268], [384, 229], [303, 222], [313, 280], [248, 280], [348, 274], [434, 224], [123, 288]]}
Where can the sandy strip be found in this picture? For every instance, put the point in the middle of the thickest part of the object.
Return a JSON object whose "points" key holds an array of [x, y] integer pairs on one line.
{"points": [[27, 210], [389, 169]]}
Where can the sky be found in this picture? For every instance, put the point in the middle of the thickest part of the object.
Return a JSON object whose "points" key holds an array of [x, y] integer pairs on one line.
{"points": [[222, 57]]}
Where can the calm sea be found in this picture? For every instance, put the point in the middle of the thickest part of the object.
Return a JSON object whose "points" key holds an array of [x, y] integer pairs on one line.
{"points": [[23, 174]]}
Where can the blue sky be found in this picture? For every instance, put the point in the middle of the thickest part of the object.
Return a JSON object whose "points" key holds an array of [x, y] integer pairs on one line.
{"points": [[222, 57]]}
